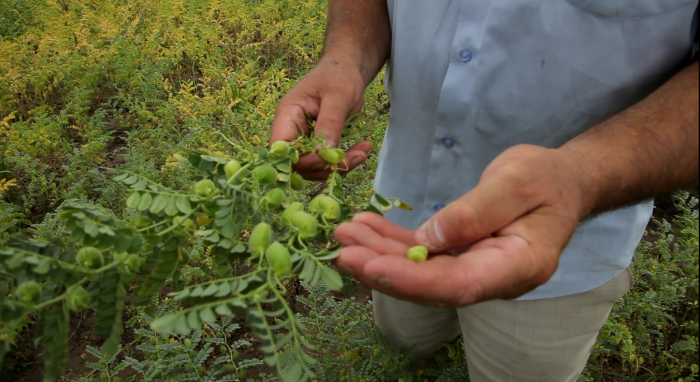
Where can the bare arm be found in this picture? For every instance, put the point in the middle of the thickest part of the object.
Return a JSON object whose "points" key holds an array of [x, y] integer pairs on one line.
{"points": [[647, 150], [358, 32], [358, 43]]}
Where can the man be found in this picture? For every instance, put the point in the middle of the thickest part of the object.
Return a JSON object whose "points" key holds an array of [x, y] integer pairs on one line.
{"points": [[529, 137]]}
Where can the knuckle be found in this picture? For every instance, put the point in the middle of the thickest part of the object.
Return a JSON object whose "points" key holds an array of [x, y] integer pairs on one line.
{"points": [[518, 177], [332, 120]]}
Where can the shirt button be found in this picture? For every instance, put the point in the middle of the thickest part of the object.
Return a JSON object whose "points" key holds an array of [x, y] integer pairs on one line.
{"points": [[465, 55], [448, 142], [439, 206]]}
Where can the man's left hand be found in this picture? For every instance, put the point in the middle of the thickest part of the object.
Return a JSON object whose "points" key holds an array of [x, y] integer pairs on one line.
{"points": [[499, 241]]}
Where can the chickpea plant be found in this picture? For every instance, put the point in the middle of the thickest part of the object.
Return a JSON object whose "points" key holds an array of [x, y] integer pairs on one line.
{"points": [[255, 193]]}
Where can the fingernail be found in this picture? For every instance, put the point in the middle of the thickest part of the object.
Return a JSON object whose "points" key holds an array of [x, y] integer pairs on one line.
{"points": [[328, 143], [355, 162], [430, 235], [384, 281], [342, 266]]}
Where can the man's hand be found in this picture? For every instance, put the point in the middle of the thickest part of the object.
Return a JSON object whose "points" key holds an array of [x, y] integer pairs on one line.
{"points": [[517, 221], [358, 43], [508, 233], [330, 93]]}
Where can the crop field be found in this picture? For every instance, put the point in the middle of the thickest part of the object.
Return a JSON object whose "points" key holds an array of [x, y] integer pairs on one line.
{"points": [[149, 233]]}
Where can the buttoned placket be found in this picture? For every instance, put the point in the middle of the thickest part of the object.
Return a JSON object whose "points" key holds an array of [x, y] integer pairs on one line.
{"points": [[448, 156]]}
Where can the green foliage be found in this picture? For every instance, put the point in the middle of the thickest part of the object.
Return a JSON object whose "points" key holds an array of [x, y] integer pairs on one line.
{"points": [[53, 265], [149, 87], [14, 17], [107, 366], [93, 83], [653, 330], [153, 249], [107, 294], [52, 332], [351, 347], [10, 218], [184, 358], [206, 355]]}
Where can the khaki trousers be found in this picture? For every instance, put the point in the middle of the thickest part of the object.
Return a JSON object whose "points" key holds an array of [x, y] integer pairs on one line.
{"points": [[546, 340]]}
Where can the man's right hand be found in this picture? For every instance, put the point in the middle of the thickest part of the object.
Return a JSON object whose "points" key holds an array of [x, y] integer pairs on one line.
{"points": [[330, 93]]}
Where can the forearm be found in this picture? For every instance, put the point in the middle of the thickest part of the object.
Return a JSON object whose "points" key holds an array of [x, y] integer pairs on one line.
{"points": [[358, 33], [649, 149]]}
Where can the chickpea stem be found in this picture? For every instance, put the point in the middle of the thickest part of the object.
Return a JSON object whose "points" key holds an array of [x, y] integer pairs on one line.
{"points": [[174, 226], [60, 297]]}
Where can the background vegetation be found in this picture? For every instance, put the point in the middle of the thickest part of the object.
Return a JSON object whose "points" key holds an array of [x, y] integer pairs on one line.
{"points": [[91, 86]]}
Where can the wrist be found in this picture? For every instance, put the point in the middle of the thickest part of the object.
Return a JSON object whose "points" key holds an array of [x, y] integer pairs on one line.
{"points": [[583, 179], [345, 60], [648, 149], [359, 35], [558, 178]]}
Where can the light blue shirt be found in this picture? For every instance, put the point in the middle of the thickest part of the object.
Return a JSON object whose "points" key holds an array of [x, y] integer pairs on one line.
{"points": [[468, 79]]}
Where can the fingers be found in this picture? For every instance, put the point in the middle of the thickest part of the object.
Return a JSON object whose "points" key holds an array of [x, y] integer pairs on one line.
{"points": [[313, 167], [329, 93], [519, 181], [354, 233], [290, 120], [491, 272], [385, 228], [330, 112], [357, 154], [490, 206], [353, 260], [522, 256], [331, 118], [437, 282], [502, 269]]}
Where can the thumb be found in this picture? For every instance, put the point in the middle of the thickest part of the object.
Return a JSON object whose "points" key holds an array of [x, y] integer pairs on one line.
{"points": [[331, 119], [290, 120], [482, 211]]}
